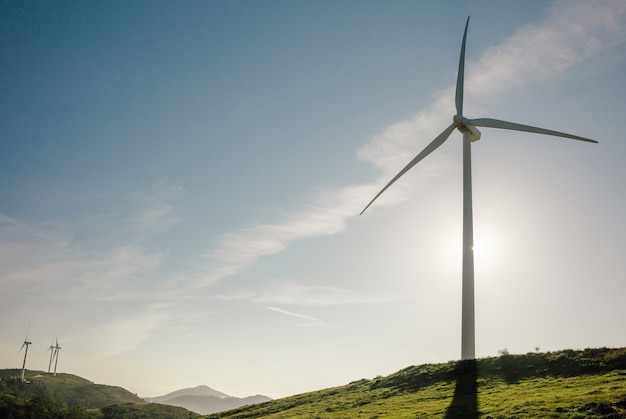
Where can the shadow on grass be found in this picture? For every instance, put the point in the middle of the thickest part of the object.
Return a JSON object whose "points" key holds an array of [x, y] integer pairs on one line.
{"points": [[465, 401]]}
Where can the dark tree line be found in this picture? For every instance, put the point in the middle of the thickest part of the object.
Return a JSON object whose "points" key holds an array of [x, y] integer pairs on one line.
{"points": [[20, 399]]}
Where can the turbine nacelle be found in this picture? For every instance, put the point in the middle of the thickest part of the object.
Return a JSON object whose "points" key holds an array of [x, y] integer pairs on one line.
{"points": [[474, 133], [461, 124]]}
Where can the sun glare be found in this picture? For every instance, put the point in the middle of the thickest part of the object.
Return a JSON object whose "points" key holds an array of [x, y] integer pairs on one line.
{"points": [[488, 251]]}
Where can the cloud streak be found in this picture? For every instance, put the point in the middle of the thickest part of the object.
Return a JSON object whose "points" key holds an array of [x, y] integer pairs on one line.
{"points": [[125, 333], [294, 293], [101, 256], [325, 215], [311, 321], [572, 33]]}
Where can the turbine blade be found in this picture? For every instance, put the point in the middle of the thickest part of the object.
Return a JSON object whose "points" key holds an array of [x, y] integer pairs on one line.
{"points": [[461, 75], [496, 123], [441, 138]]}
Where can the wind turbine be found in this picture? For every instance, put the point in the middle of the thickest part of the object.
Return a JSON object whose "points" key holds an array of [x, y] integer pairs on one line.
{"points": [[52, 352], [57, 348], [25, 344], [470, 134]]}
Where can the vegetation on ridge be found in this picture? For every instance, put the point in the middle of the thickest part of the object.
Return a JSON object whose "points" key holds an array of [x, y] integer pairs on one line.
{"points": [[564, 384]]}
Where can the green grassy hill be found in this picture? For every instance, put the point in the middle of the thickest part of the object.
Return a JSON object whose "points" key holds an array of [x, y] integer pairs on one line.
{"points": [[70, 389], [75, 390], [564, 384], [70, 396]]}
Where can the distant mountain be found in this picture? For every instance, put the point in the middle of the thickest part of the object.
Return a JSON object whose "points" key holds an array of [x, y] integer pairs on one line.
{"points": [[192, 391], [204, 400]]}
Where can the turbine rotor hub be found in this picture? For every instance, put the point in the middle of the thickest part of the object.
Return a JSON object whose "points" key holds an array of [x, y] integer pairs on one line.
{"points": [[459, 123]]}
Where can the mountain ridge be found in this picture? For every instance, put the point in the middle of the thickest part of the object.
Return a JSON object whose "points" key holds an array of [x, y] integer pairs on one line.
{"points": [[204, 400], [201, 390]]}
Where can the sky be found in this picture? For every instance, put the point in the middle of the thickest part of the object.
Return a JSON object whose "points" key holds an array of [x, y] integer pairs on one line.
{"points": [[181, 182]]}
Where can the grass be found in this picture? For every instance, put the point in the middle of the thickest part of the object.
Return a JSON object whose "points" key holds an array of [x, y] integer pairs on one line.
{"points": [[564, 384], [588, 396]]}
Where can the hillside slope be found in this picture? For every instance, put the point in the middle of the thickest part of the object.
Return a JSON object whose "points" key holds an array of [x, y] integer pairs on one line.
{"points": [[75, 390], [70, 396], [564, 384]]}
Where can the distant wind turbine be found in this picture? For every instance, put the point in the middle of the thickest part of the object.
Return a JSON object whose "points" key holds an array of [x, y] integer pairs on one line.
{"points": [[52, 352], [470, 134], [57, 349], [25, 344]]}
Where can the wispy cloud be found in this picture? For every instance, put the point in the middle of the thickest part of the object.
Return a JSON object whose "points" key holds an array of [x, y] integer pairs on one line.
{"points": [[571, 33], [311, 321], [125, 333], [296, 294], [325, 215], [99, 256]]}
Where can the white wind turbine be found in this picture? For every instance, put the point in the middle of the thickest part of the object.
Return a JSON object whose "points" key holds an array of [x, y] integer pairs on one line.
{"points": [[57, 349], [470, 134], [52, 352], [25, 344]]}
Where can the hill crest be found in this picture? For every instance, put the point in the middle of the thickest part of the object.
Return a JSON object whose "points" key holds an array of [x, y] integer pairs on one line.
{"points": [[588, 383]]}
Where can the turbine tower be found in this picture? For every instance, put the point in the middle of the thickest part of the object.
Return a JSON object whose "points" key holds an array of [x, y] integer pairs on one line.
{"points": [[57, 348], [52, 352], [470, 134], [25, 344]]}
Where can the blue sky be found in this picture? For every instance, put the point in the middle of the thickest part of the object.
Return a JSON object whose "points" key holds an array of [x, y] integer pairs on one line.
{"points": [[181, 185]]}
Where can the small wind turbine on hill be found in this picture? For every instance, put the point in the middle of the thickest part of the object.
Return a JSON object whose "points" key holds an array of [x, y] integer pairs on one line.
{"points": [[470, 134], [25, 344], [57, 349], [52, 352]]}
